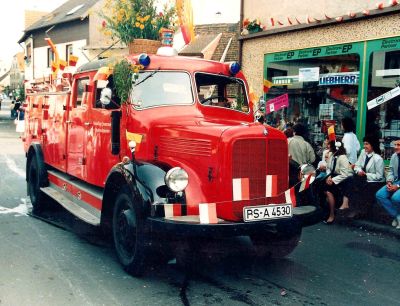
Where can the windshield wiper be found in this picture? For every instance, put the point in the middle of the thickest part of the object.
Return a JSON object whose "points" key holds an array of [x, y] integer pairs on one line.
{"points": [[233, 79], [147, 77]]}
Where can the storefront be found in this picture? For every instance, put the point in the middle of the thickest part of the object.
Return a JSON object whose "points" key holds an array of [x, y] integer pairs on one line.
{"points": [[324, 84]]}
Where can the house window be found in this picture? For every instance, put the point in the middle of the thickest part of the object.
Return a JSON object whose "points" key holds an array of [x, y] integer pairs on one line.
{"points": [[28, 53], [68, 51], [50, 57]]}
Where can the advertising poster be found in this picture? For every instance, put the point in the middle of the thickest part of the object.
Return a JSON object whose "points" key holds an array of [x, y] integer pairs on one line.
{"points": [[277, 103], [309, 74]]}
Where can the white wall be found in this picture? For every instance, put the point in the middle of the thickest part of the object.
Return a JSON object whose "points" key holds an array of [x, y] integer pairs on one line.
{"points": [[38, 66]]}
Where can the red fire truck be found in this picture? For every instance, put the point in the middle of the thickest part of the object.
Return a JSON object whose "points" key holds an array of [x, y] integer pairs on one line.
{"points": [[183, 156]]}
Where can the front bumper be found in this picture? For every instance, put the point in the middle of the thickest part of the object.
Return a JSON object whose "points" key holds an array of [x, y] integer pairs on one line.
{"points": [[302, 216]]}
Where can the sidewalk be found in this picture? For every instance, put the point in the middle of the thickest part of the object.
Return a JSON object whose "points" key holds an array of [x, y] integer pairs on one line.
{"points": [[386, 229]]}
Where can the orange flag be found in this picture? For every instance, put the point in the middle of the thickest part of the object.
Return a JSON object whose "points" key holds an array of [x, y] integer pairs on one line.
{"points": [[267, 85], [73, 60], [331, 133], [63, 64]]}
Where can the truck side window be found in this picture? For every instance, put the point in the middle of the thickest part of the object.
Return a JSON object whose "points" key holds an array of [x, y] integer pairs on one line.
{"points": [[81, 84], [221, 91], [115, 100]]}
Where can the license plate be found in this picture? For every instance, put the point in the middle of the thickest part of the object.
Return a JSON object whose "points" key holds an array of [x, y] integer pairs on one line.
{"points": [[267, 212]]}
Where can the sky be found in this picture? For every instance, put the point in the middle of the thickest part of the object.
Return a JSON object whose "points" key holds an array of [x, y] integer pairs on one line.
{"points": [[12, 19]]}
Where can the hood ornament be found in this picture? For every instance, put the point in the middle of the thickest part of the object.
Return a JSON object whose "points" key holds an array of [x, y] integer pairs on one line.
{"points": [[265, 132]]}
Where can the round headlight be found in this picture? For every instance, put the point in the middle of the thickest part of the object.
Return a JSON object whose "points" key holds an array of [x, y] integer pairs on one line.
{"points": [[176, 179]]}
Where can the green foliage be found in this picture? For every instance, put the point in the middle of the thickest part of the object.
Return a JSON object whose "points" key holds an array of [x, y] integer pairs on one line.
{"points": [[123, 74], [131, 19]]}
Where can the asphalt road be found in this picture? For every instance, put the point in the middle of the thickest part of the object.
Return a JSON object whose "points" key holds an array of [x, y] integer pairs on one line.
{"points": [[59, 260]]}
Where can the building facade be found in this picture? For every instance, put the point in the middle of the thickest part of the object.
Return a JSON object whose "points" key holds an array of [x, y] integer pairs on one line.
{"points": [[74, 29], [329, 60], [17, 71]]}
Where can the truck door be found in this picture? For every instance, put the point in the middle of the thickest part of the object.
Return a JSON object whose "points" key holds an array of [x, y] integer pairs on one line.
{"points": [[77, 127], [54, 117], [99, 138]]}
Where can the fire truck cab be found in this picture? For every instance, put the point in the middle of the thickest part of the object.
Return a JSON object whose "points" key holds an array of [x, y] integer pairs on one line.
{"points": [[183, 156]]}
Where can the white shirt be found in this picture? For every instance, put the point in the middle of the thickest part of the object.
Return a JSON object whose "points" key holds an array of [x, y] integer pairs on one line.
{"points": [[352, 146]]}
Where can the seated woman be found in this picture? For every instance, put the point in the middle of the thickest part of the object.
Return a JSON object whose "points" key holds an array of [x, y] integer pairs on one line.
{"points": [[337, 181], [369, 175]]}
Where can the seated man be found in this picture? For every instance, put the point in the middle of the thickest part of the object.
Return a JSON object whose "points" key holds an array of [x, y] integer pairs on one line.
{"points": [[389, 196]]}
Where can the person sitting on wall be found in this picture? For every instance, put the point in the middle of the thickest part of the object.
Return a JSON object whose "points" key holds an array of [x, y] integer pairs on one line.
{"points": [[336, 183], [369, 175], [300, 152], [389, 196]]}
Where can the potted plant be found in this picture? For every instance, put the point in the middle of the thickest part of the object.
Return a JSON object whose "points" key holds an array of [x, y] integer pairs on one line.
{"points": [[252, 26], [137, 23]]}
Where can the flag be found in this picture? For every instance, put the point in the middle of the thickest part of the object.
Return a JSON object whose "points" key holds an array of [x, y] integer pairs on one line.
{"points": [[102, 74], [185, 17], [331, 133], [267, 85], [54, 67], [135, 137], [208, 213], [305, 183], [290, 196], [271, 186], [172, 210], [241, 189], [73, 60], [63, 64]]}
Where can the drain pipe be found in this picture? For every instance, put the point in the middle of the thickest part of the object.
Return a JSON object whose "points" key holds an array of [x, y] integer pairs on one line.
{"points": [[240, 31]]}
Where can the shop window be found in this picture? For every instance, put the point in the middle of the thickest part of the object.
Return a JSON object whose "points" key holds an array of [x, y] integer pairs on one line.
{"points": [[50, 57], [383, 115], [316, 92], [68, 51], [28, 57]]}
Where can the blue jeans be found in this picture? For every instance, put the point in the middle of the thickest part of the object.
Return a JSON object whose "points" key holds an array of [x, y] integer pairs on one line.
{"points": [[389, 200]]}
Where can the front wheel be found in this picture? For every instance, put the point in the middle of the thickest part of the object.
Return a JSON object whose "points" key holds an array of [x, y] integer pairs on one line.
{"points": [[37, 175], [276, 245], [129, 234]]}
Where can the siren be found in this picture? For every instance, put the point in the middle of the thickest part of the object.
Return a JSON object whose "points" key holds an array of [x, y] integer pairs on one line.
{"points": [[234, 68], [144, 59]]}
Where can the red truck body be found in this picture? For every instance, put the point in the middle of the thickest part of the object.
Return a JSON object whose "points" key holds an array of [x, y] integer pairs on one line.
{"points": [[71, 140]]}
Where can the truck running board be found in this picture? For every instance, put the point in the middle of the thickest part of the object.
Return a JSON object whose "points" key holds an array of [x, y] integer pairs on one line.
{"points": [[72, 207]]}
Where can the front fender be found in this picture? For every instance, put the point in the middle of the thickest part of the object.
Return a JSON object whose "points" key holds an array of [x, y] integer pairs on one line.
{"points": [[146, 183]]}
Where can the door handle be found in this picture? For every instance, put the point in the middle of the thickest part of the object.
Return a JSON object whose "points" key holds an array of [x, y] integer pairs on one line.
{"points": [[87, 123], [68, 122]]}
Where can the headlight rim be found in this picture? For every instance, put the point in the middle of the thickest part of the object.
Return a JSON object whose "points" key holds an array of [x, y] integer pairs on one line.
{"points": [[169, 184]]}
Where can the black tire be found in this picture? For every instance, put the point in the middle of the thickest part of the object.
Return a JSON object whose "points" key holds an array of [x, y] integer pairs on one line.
{"points": [[130, 238], [37, 178], [276, 245]]}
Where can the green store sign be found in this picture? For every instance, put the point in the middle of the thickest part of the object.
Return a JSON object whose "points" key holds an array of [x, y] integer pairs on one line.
{"points": [[315, 52]]}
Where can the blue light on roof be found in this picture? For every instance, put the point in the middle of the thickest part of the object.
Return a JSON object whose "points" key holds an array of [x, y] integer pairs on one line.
{"points": [[144, 59]]}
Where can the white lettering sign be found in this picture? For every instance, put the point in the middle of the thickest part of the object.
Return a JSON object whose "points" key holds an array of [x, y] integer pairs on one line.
{"points": [[384, 98]]}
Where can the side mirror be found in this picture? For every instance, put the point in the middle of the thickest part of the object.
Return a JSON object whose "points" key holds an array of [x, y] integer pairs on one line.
{"points": [[105, 96]]}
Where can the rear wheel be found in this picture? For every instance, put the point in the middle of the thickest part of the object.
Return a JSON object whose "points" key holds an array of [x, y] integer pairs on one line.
{"points": [[276, 245], [129, 234], [36, 178]]}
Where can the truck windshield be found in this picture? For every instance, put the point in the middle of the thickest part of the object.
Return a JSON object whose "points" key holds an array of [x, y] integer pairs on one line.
{"points": [[221, 91], [160, 88]]}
